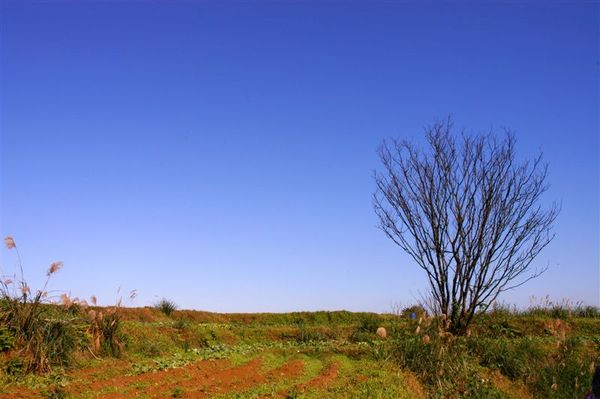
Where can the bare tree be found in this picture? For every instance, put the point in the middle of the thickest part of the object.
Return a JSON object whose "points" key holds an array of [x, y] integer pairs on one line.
{"points": [[467, 212]]}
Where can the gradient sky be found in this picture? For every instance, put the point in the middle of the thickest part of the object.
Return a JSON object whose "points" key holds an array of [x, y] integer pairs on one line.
{"points": [[221, 154]]}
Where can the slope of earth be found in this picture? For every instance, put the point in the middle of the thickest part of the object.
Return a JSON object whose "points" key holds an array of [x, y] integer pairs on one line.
{"points": [[321, 355]]}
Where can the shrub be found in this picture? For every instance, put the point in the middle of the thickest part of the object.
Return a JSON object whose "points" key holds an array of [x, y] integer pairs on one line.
{"points": [[166, 306], [418, 310]]}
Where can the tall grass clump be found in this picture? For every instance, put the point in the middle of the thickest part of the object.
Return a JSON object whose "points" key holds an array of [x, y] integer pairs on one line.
{"points": [[516, 358], [106, 328], [40, 335], [441, 361], [556, 362], [166, 306], [568, 371], [564, 309]]}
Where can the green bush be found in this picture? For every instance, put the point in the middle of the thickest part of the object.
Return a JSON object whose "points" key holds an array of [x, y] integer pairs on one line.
{"points": [[166, 306], [418, 310]]}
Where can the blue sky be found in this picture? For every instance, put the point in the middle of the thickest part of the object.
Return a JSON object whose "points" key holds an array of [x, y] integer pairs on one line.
{"points": [[221, 153]]}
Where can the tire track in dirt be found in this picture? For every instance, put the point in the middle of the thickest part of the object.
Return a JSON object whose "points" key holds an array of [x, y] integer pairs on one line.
{"points": [[197, 380], [322, 380]]}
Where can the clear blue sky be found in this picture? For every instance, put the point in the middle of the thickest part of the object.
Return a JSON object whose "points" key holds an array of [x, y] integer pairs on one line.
{"points": [[221, 154]]}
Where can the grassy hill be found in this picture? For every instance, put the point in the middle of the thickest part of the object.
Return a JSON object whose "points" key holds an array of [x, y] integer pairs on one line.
{"points": [[141, 352]]}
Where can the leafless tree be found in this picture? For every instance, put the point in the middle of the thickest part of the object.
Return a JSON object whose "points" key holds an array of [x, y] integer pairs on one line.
{"points": [[468, 214]]}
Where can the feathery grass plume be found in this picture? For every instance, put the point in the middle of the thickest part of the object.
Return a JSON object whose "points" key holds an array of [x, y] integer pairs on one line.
{"points": [[9, 242], [25, 290], [65, 300], [94, 300], [54, 267]]}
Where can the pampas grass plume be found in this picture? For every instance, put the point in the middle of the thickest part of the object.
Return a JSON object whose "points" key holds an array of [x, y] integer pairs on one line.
{"points": [[54, 267], [9, 242]]}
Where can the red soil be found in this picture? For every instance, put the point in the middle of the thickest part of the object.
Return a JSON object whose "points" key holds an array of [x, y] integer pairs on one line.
{"points": [[197, 380]]}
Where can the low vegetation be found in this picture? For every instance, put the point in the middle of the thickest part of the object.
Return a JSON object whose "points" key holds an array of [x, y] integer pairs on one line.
{"points": [[305, 355], [68, 348]]}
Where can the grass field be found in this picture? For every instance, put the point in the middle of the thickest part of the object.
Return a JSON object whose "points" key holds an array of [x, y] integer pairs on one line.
{"points": [[192, 354]]}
